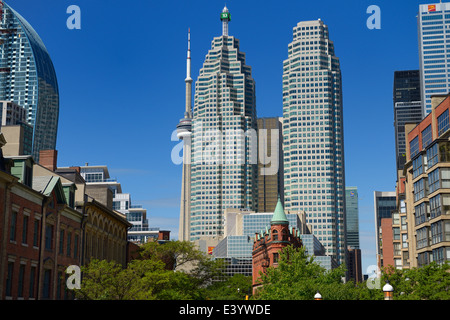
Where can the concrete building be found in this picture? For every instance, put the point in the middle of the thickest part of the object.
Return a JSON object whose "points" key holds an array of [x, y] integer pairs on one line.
{"points": [[270, 163], [28, 77], [313, 135], [433, 27], [427, 185], [224, 163], [385, 204]]}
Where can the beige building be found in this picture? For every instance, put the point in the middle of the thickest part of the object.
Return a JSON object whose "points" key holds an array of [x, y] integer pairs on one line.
{"points": [[426, 224]]}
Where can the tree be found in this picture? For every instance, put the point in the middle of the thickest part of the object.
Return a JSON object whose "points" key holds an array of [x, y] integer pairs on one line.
{"points": [[430, 282], [298, 277], [233, 288], [174, 270]]}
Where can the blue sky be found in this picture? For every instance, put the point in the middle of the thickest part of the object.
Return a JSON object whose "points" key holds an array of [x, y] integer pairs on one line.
{"points": [[121, 80]]}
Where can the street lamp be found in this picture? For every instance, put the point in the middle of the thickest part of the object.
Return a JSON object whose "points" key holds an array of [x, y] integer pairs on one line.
{"points": [[318, 296], [388, 291]]}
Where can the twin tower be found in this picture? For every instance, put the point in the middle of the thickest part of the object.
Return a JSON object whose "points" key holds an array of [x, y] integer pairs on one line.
{"points": [[219, 167]]}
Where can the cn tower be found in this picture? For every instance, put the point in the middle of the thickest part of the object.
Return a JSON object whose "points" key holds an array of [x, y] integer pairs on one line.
{"points": [[184, 132]]}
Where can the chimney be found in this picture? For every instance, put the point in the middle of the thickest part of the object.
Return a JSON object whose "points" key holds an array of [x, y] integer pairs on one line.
{"points": [[47, 159]]}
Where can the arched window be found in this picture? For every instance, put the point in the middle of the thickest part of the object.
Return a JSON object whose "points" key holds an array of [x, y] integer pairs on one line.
{"points": [[274, 235]]}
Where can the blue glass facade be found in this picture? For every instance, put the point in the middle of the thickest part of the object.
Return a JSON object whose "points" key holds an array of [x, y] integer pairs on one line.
{"points": [[28, 78], [434, 49]]}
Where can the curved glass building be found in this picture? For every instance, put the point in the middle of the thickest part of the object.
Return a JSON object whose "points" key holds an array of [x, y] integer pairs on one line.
{"points": [[28, 78]]}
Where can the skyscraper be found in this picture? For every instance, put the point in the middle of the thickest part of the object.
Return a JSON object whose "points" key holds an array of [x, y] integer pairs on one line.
{"points": [[407, 109], [313, 135], [28, 78], [433, 29], [223, 168], [352, 215], [270, 165]]}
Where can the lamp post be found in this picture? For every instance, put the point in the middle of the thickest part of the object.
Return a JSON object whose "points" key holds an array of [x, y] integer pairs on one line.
{"points": [[318, 296], [388, 291]]}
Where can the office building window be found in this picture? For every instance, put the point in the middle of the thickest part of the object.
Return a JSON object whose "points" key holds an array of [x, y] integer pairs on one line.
{"points": [[443, 123], [61, 242]]}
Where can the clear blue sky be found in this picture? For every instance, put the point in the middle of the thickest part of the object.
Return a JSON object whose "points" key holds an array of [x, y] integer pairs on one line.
{"points": [[121, 81]]}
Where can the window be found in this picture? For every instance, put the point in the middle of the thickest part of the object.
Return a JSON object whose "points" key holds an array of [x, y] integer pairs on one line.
{"points": [[421, 213], [443, 123], [427, 137], [417, 166], [436, 232], [275, 257], [435, 206], [420, 189], [75, 247], [49, 237], [433, 180], [32, 281], [414, 147], [396, 233], [9, 278], [61, 242], [21, 278], [69, 244], [275, 235], [12, 230], [46, 288], [422, 238], [25, 229], [36, 233], [432, 155]]}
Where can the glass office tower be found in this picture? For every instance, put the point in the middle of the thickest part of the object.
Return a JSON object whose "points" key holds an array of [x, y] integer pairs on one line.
{"points": [[313, 135], [28, 78], [433, 23], [407, 109], [223, 175], [352, 215]]}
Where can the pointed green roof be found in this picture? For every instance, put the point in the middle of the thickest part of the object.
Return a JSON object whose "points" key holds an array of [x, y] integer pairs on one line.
{"points": [[279, 217]]}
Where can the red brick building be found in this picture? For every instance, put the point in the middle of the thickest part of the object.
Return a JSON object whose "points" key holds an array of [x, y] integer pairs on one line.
{"points": [[41, 234], [270, 242]]}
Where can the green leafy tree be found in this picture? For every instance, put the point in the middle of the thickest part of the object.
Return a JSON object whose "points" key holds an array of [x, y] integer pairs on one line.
{"points": [[430, 282], [174, 270], [236, 287], [298, 277]]}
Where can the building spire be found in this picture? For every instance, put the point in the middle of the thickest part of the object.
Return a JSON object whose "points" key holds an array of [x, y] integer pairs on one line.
{"points": [[188, 62], [225, 17]]}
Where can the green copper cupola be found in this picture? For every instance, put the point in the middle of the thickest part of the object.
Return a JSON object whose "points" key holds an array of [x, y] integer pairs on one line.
{"points": [[279, 217]]}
